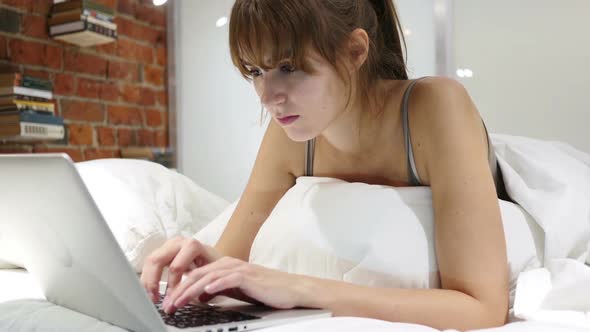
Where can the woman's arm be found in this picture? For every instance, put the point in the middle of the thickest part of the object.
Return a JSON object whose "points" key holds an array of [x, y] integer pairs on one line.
{"points": [[272, 175], [450, 144]]}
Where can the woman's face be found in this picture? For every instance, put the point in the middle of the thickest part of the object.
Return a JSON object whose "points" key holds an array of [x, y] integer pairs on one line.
{"points": [[303, 104]]}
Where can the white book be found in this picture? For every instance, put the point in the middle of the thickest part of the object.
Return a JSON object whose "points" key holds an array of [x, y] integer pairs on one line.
{"points": [[33, 131], [19, 90]]}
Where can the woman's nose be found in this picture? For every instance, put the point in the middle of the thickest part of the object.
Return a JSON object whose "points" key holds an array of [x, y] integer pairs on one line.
{"points": [[271, 94]]}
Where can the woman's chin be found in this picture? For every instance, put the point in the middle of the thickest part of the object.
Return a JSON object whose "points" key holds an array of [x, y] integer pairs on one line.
{"points": [[298, 135]]}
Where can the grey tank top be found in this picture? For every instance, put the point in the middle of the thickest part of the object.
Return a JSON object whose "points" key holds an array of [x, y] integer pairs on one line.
{"points": [[414, 179]]}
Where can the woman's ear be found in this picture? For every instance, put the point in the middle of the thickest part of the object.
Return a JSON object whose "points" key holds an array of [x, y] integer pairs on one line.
{"points": [[358, 47]]}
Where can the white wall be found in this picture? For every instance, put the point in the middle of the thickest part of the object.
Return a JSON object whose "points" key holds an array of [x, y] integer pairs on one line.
{"points": [[530, 63], [217, 112]]}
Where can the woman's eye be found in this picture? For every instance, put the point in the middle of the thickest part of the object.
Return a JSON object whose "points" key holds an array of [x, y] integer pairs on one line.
{"points": [[287, 68], [255, 72]]}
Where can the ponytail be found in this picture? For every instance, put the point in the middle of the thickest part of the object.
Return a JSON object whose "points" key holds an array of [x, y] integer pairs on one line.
{"points": [[389, 38]]}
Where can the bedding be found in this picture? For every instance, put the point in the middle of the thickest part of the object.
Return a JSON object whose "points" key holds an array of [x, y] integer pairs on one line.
{"points": [[143, 203], [546, 236]]}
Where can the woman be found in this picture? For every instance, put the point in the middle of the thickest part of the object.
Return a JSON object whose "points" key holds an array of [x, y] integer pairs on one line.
{"points": [[331, 74]]}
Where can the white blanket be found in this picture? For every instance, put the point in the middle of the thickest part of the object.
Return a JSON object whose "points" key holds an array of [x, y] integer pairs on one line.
{"points": [[551, 181]]}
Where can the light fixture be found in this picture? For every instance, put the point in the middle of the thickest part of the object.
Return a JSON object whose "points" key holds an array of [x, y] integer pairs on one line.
{"points": [[159, 2], [464, 73], [407, 32], [221, 21]]}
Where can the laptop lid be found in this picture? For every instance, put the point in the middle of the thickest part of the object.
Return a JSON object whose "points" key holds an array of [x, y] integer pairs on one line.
{"points": [[63, 240]]}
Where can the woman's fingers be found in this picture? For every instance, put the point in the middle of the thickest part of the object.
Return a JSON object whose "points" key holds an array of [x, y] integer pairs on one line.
{"points": [[195, 276], [154, 265], [190, 253]]}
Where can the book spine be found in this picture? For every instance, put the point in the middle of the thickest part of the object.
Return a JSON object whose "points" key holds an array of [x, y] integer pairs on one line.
{"points": [[101, 30], [33, 117], [87, 4], [98, 15], [43, 109], [37, 130], [96, 21], [36, 83], [10, 99], [19, 90]]}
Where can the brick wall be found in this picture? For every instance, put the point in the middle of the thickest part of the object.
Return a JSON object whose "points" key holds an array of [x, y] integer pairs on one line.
{"points": [[111, 96]]}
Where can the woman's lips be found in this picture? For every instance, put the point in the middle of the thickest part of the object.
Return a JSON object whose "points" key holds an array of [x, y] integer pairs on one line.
{"points": [[288, 119]]}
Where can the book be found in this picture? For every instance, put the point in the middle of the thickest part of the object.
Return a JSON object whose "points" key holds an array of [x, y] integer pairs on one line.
{"points": [[19, 90], [80, 26], [83, 4], [81, 18], [28, 130], [78, 14], [9, 99], [29, 116], [18, 79], [88, 34], [15, 107]]}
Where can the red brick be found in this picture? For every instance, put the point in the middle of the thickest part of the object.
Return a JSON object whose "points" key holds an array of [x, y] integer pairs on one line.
{"points": [[63, 84], [92, 154], [148, 97], [82, 111], [53, 56], [15, 149], [110, 48], [131, 93], [154, 118], [3, 48], [134, 51], [161, 138], [161, 56], [146, 137], [80, 134], [74, 153], [127, 7], [151, 15], [124, 115], [84, 63], [88, 88], [112, 4], [153, 75], [109, 91], [35, 26], [106, 136], [162, 97], [126, 137], [132, 29], [42, 7], [26, 5], [37, 73], [34, 53], [123, 70]]}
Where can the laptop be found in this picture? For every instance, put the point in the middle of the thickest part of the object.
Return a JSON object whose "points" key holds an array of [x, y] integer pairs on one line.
{"points": [[65, 243]]}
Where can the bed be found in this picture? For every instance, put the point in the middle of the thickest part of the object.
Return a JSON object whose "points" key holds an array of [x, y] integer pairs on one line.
{"points": [[550, 274]]}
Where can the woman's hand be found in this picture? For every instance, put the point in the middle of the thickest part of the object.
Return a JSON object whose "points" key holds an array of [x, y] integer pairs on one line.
{"points": [[180, 255], [238, 279]]}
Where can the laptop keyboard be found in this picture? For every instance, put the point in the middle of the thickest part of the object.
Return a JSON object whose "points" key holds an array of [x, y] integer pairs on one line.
{"points": [[196, 315]]}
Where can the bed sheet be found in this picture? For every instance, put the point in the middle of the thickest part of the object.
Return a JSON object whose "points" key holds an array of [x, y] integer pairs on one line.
{"points": [[23, 308]]}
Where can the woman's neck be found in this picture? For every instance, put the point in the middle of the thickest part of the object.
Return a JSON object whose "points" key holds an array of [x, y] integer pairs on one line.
{"points": [[357, 131]]}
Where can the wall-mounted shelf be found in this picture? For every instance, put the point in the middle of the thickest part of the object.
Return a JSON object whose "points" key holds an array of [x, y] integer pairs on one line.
{"points": [[82, 22]]}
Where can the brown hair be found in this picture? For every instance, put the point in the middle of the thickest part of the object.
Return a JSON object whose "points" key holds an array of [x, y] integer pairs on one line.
{"points": [[287, 28]]}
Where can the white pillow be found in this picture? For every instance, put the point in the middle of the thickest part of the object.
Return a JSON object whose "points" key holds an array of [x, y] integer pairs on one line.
{"points": [[367, 234], [145, 203]]}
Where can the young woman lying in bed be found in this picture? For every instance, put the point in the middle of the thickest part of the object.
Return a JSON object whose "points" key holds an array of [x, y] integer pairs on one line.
{"points": [[331, 73]]}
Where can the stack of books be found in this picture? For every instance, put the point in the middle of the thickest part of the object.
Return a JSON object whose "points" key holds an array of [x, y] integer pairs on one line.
{"points": [[27, 109], [82, 22]]}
